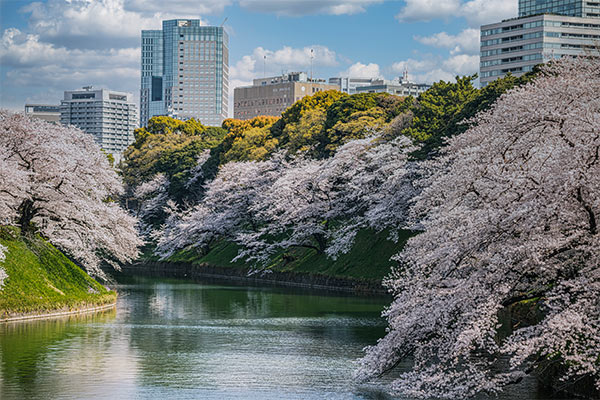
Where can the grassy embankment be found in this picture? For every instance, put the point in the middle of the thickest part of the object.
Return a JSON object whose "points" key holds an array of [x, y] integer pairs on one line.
{"points": [[368, 260], [41, 279]]}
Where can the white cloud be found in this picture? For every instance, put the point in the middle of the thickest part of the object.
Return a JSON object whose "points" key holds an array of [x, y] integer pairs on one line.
{"points": [[202, 7], [462, 64], [360, 70], [434, 69], [476, 12], [34, 63], [308, 7], [286, 59], [480, 12], [466, 41], [426, 10], [94, 23]]}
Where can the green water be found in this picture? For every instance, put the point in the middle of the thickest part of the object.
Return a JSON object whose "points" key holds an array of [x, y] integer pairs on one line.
{"points": [[180, 340]]}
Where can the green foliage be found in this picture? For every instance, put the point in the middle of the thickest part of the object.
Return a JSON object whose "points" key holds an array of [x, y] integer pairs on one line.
{"points": [[42, 279], [369, 258], [247, 140], [168, 146], [454, 120], [319, 124], [320, 100], [438, 106], [302, 136]]}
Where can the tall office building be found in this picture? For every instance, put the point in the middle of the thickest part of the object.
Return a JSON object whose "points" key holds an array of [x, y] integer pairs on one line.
{"points": [[573, 8], [185, 72], [111, 117], [273, 95], [545, 30]]}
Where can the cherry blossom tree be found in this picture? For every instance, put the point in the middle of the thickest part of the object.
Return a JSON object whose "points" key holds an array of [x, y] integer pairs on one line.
{"points": [[510, 213], [321, 204], [223, 213], [55, 181], [152, 198]]}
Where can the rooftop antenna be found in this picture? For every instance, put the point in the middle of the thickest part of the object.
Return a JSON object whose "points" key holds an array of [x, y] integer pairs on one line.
{"points": [[312, 55], [264, 66], [223, 23]]}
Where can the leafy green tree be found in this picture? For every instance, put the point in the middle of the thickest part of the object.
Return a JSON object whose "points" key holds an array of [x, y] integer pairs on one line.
{"points": [[320, 100], [171, 147], [302, 135], [438, 106], [247, 139], [357, 126], [256, 144], [475, 103]]}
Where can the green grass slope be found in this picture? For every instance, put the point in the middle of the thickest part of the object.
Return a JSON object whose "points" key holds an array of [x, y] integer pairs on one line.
{"points": [[369, 258], [42, 279]]}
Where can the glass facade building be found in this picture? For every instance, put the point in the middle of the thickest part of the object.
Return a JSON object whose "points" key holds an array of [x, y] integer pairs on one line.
{"points": [[573, 8], [185, 72]]}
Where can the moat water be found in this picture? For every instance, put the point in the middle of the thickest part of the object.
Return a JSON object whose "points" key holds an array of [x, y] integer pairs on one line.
{"points": [[170, 339]]}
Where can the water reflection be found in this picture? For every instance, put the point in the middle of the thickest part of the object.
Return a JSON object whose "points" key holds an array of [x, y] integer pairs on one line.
{"points": [[173, 339]]}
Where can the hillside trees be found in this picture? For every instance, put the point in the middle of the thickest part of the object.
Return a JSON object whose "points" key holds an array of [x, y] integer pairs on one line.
{"points": [[55, 181], [170, 147], [267, 207], [224, 212], [510, 213]]}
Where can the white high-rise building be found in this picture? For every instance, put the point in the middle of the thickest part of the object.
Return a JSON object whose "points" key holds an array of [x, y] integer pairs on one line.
{"points": [[111, 117], [185, 72], [545, 29]]}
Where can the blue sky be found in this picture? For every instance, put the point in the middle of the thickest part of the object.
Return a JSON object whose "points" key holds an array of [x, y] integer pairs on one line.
{"points": [[55, 45]]}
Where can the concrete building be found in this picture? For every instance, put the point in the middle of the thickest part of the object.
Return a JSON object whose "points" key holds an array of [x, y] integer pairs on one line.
{"points": [[46, 112], [185, 72], [111, 117], [573, 8], [398, 87], [273, 95], [517, 45], [349, 85]]}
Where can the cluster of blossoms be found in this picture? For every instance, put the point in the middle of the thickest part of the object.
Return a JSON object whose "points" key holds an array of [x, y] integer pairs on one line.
{"points": [[510, 213], [55, 181], [3, 274], [269, 206]]}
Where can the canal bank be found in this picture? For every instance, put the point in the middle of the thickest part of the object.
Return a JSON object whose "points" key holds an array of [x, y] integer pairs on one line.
{"points": [[183, 270], [40, 281]]}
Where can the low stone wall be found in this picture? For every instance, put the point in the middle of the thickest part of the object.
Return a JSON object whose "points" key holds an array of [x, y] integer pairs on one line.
{"points": [[275, 278], [59, 313]]}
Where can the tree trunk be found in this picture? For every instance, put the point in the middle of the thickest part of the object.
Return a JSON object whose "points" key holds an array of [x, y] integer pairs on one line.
{"points": [[26, 213]]}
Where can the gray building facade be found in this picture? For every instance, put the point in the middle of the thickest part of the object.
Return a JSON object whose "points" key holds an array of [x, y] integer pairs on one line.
{"points": [[46, 112], [185, 72], [573, 8], [517, 45], [273, 95], [111, 117], [349, 84], [400, 87]]}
